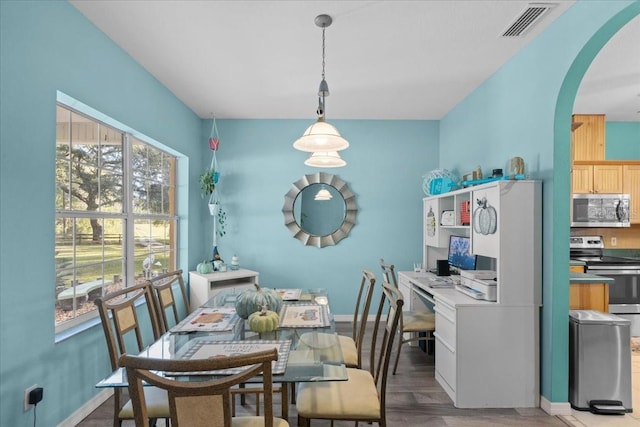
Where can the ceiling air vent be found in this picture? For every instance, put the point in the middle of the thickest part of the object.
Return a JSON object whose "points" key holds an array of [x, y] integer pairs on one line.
{"points": [[527, 18]]}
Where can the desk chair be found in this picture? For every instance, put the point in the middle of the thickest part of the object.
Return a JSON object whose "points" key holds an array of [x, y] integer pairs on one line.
{"points": [[201, 403], [418, 325], [165, 299], [363, 396], [121, 313]]}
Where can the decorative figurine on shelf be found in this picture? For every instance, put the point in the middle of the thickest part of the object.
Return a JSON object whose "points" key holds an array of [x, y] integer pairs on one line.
{"points": [[235, 262]]}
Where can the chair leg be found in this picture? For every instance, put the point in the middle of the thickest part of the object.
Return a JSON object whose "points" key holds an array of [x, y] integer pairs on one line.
{"points": [[395, 365], [304, 422], [284, 395], [117, 397]]}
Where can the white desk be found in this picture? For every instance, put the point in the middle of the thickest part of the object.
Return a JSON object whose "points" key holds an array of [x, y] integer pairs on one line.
{"points": [[487, 353]]}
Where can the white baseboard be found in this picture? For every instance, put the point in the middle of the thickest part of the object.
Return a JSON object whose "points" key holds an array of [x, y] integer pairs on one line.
{"points": [[555, 408], [349, 318], [86, 409]]}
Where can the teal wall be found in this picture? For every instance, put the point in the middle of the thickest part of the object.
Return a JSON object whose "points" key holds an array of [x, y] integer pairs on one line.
{"points": [[622, 141], [49, 46], [385, 164], [524, 110], [45, 47]]}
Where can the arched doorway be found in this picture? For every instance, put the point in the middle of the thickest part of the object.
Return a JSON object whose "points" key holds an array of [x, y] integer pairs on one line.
{"points": [[561, 190]]}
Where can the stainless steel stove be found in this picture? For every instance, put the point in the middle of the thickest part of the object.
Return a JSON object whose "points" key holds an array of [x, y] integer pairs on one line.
{"points": [[624, 293]]}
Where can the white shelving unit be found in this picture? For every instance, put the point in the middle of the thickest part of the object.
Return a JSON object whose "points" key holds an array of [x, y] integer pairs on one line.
{"points": [[203, 287], [487, 353]]}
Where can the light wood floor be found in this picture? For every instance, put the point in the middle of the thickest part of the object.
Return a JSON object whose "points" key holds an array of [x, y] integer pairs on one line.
{"points": [[414, 398]]}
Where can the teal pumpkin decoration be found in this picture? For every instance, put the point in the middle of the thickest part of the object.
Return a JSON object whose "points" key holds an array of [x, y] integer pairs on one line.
{"points": [[204, 267], [252, 300]]}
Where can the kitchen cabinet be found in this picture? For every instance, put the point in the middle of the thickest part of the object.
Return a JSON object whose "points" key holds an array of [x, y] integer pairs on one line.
{"points": [[631, 185], [588, 137], [597, 178], [589, 296], [203, 287]]}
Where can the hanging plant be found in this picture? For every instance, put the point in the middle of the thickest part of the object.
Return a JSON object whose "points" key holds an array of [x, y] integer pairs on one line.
{"points": [[209, 178], [222, 221], [208, 181]]}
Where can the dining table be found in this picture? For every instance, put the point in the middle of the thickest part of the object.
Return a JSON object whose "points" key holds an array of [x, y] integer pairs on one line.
{"points": [[306, 339]]}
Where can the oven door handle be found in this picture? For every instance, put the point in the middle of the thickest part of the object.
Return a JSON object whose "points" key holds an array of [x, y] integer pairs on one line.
{"points": [[616, 271]]}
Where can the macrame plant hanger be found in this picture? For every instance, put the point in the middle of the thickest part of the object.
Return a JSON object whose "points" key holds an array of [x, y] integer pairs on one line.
{"points": [[214, 205]]}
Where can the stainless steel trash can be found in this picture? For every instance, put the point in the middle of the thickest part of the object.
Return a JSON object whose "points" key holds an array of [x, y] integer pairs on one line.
{"points": [[599, 362]]}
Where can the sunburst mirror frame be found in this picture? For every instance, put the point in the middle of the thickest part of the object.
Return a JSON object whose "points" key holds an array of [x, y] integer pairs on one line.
{"points": [[349, 217]]}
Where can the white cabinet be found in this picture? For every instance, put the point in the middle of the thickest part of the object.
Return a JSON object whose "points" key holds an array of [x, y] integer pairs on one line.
{"points": [[203, 287], [487, 353], [445, 336], [444, 216], [485, 235]]}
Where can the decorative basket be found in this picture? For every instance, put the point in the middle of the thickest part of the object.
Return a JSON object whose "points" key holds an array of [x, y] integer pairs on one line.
{"points": [[439, 181]]}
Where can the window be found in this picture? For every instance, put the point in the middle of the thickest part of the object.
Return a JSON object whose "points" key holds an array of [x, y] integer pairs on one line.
{"points": [[116, 221]]}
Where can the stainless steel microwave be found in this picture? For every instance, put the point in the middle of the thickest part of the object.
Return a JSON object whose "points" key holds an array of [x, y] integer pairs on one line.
{"points": [[600, 210]]}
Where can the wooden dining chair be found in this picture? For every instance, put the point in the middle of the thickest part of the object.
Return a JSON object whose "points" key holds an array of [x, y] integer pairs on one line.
{"points": [[206, 402], [167, 296], [363, 396], [414, 325], [123, 314]]}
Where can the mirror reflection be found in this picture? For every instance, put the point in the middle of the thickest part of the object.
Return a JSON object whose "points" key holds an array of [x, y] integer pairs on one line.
{"points": [[319, 209]]}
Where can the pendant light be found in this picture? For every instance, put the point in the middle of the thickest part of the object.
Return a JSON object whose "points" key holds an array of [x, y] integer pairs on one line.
{"points": [[322, 136], [325, 159], [323, 194]]}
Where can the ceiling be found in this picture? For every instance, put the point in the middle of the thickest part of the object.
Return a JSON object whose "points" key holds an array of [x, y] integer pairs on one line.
{"points": [[384, 59]]}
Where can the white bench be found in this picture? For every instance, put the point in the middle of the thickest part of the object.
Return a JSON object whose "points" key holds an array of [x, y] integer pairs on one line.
{"points": [[82, 293]]}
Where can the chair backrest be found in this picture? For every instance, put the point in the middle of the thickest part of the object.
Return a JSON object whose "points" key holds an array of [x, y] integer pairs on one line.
{"points": [[163, 289], [389, 273], [381, 355], [361, 313], [119, 313], [198, 403]]}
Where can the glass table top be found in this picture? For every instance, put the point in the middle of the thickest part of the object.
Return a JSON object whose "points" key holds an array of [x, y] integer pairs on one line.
{"points": [[311, 353]]}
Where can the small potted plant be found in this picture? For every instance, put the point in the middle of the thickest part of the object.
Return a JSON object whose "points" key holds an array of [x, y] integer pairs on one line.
{"points": [[208, 181]]}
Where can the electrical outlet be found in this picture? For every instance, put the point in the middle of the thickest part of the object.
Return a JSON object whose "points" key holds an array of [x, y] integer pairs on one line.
{"points": [[614, 241], [27, 405]]}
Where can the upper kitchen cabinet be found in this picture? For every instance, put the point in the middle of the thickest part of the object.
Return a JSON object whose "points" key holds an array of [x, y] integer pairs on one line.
{"points": [[587, 137], [596, 178], [631, 186]]}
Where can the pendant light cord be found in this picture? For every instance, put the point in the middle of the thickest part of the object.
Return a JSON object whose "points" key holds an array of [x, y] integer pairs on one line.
{"points": [[321, 96], [323, 53]]}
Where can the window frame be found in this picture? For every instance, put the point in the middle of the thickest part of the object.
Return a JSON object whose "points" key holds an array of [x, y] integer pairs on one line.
{"points": [[128, 216]]}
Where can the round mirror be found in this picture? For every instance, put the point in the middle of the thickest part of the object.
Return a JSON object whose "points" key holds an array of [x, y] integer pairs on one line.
{"points": [[319, 209]]}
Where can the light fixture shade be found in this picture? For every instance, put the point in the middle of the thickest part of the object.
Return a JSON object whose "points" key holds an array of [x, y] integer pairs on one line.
{"points": [[323, 194], [321, 136], [325, 159]]}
